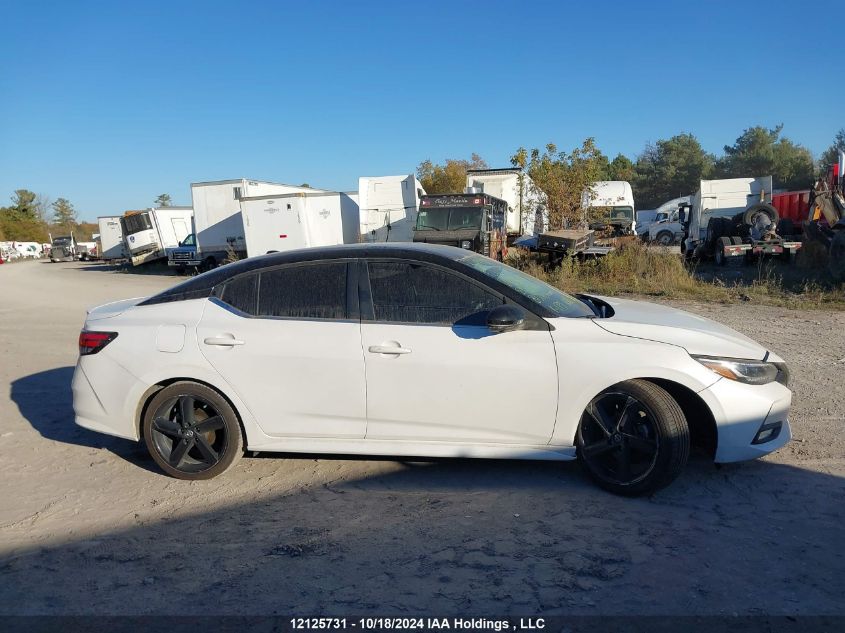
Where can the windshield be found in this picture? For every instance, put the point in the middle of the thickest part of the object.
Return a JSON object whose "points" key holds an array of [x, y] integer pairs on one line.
{"points": [[554, 300], [449, 219], [191, 240]]}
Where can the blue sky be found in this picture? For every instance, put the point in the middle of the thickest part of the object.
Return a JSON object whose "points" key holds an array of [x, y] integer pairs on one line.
{"points": [[110, 103]]}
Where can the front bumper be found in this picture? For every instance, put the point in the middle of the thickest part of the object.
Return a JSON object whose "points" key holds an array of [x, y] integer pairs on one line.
{"points": [[741, 411], [183, 263]]}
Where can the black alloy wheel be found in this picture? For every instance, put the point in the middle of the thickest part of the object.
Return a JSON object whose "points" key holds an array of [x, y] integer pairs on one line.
{"points": [[192, 432], [633, 438]]}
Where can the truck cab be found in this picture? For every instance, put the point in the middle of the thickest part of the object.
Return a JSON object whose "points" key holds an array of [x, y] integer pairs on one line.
{"points": [[184, 256], [608, 207], [472, 221]]}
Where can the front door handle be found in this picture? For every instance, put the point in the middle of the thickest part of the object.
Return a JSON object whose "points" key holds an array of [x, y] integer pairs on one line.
{"points": [[223, 341], [388, 349]]}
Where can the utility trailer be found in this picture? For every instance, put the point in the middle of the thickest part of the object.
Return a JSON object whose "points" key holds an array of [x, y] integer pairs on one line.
{"points": [[570, 243], [388, 207], [111, 238]]}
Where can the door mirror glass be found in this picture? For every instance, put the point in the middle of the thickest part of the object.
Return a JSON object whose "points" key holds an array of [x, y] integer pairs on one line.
{"points": [[505, 318]]}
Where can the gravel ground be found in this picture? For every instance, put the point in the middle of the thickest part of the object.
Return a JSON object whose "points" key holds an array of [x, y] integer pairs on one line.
{"points": [[87, 524]]}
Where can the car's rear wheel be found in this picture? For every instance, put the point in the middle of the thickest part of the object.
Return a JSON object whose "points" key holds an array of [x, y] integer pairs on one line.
{"points": [[633, 438], [192, 432]]}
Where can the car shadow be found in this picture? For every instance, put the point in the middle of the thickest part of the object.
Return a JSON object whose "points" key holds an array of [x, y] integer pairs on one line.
{"points": [[45, 400]]}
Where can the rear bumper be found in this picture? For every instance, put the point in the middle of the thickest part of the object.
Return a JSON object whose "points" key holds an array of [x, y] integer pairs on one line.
{"points": [[102, 411], [741, 411]]}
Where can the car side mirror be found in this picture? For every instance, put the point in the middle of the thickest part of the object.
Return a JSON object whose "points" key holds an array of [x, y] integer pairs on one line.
{"points": [[505, 318]]}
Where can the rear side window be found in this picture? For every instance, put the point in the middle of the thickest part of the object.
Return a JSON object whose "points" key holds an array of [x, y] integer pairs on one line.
{"points": [[408, 292], [241, 293], [307, 291]]}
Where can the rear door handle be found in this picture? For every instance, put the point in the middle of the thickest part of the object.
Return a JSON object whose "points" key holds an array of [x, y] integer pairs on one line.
{"points": [[388, 349], [223, 341]]}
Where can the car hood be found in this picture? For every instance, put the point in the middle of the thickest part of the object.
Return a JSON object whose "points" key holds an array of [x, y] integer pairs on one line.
{"points": [[697, 335], [112, 309]]}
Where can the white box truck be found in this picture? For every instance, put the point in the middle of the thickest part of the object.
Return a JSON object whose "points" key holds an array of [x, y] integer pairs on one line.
{"points": [[527, 211], [218, 221], [389, 207], [285, 222], [149, 233], [111, 238]]}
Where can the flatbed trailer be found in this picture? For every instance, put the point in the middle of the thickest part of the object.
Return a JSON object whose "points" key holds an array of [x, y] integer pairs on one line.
{"points": [[728, 248], [570, 243]]}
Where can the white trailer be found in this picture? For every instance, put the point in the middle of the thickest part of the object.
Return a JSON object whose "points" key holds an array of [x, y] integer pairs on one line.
{"points": [[610, 203], [299, 220], [527, 211], [111, 237], [149, 233], [388, 207], [218, 220]]}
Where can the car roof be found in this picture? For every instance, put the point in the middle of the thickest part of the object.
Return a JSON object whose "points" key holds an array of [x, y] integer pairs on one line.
{"points": [[202, 285]]}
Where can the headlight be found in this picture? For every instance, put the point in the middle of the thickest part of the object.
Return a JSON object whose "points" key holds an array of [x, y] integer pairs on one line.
{"points": [[752, 372], [466, 244]]}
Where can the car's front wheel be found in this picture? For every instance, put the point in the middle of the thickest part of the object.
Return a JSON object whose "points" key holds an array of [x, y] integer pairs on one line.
{"points": [[192, 432], [633, 438]]}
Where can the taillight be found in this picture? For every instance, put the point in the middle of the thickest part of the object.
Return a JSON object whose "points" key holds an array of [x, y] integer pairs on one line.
{"points": [[93, 342]]}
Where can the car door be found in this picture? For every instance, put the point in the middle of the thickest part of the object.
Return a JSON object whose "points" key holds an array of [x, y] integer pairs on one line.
{"points": [[436, 372], [288, 340]]}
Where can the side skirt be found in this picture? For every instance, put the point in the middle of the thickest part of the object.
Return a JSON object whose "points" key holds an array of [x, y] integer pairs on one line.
{"points": [[415, 449]]}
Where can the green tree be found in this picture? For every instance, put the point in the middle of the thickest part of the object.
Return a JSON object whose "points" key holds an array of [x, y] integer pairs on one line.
{"points": [[64, 215], [164, 200], [761, 151], [831, 154], [668, 169], [450, 177], [25, 204], [563, 176], [621, 168]]}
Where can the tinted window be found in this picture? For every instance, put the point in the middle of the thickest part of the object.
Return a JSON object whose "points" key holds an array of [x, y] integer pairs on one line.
{"points": [[309, 291], [241, 293], [555, 301], [416, 293]]}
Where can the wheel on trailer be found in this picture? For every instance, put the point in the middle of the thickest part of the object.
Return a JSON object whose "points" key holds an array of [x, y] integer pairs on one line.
{"points": [[192, 432], [736, 240], [719, 254], [633, 438], [209, 263], [665, 238]]}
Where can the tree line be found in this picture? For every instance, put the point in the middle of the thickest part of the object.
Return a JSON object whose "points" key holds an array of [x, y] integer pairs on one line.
{"points": [[665, 169], [33, 217]]}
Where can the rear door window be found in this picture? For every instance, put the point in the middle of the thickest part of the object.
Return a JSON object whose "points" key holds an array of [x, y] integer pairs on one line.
{"points": [[304, 291]]}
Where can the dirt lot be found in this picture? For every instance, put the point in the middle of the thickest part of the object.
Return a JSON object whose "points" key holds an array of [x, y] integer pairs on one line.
{"points": [[87, 525]]}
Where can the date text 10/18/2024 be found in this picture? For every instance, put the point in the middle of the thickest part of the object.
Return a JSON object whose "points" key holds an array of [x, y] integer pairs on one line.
{"points": [[418, 624]]}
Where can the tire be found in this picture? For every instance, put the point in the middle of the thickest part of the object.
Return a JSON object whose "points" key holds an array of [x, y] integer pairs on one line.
{"points": [[736, 240], [209, 263], [609, 438], [714, 231], [762, 207], [212, 432], [719, 253], [665, 238]]}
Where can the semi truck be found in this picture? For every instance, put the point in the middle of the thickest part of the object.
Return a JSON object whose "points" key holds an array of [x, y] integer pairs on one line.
{"points": [[472, 221], [609, 208], [388, 207], [218, 221], [733, 220], [285, 222], [149, 233], [111, 238], [527, 213]]}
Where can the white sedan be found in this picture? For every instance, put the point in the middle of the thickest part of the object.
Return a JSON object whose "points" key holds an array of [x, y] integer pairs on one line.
{"points": [[421, 350]]}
